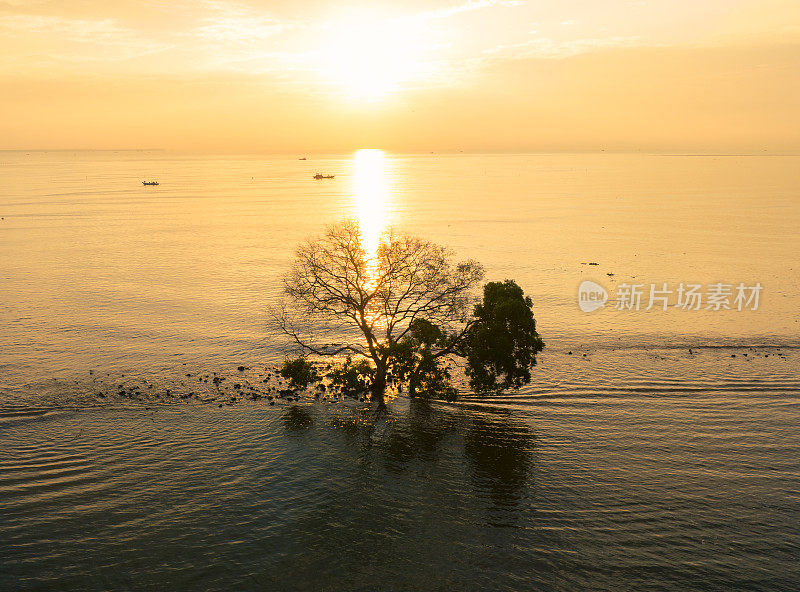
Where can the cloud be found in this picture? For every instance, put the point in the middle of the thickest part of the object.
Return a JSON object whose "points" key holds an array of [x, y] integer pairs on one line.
{"points": [[60, 39], [241, 29], [231, 37], [73, 29], [544, 47], [231, 22], [469, 6], [20, 3]]}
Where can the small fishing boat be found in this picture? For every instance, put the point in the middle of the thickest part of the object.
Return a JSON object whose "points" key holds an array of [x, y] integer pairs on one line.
{"points": [[149, 182], [302, 158], [321, 176]]}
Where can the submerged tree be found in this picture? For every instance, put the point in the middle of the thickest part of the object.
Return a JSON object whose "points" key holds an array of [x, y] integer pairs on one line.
{"points": [[502, 341], [406, 307]]}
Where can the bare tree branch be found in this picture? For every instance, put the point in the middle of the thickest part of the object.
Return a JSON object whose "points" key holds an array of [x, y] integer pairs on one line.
{"points": [[340, 298]]}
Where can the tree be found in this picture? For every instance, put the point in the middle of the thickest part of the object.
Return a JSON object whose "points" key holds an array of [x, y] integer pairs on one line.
{"points": [[351, 377], [418, 359], [299, 372], [502, 343], [405, 308]]}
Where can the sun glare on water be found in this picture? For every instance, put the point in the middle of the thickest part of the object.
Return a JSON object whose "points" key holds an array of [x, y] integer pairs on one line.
{"points": [[371, 56], [371, 193]]}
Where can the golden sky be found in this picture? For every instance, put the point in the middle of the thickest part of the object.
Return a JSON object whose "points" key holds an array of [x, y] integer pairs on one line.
{"points": [[475, 75]]}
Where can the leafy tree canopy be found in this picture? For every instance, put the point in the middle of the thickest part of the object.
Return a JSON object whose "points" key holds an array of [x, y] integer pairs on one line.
{"points": [[502, 343], [299, 372]]}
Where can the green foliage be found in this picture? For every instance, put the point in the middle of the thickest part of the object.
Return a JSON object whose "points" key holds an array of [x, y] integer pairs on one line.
{"points": [[499, 342], [351, 376], [414, 361], [501, 346], [299, 372], [432, 378]]}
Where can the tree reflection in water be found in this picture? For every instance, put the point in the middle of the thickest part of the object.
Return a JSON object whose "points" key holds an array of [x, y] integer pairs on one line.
{"points": [[499, 451], [496, 447], [415, 434], [297, 418]]}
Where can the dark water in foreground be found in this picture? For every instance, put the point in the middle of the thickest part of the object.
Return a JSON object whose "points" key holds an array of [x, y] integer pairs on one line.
{"points": [[683, 475]]}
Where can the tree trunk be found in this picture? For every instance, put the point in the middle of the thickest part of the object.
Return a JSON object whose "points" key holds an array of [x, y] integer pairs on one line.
{"points": [[379, 383], [412, 385], [413, 381]]}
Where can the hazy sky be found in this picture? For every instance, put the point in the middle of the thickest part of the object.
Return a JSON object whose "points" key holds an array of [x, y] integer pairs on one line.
{"points": [[310, 76]]}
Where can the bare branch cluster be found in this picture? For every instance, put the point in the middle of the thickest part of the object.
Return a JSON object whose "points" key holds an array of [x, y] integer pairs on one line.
{"points": [[340, 298]]}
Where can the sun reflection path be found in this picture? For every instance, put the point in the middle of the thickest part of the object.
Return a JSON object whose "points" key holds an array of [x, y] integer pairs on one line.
{"points": [[371, 192]]}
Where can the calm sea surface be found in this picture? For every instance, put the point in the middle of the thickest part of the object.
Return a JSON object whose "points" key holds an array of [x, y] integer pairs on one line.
{"points": [[654, 450]]}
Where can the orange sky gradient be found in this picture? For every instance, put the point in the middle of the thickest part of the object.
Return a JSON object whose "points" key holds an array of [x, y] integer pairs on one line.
{"points": [[473, 75]]}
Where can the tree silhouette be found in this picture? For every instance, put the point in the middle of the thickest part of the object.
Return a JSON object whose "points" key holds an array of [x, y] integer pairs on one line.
{"points": [[406, 308], [502, 342]]}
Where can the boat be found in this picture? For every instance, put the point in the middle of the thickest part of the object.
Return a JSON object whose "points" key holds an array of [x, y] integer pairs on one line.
{"points": [[321, 176], [149, 182], [302, 158]]}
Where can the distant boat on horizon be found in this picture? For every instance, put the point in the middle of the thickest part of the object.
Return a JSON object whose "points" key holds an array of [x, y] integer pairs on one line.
{"points": [[149, 182], [302, 158], [321, 176]]}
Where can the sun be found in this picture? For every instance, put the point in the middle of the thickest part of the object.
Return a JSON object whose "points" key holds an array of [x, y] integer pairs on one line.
{"points": [[372, 56]]}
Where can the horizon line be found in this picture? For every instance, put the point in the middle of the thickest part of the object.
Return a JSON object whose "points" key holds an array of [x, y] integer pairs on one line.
{"points": [[650, 151]]}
